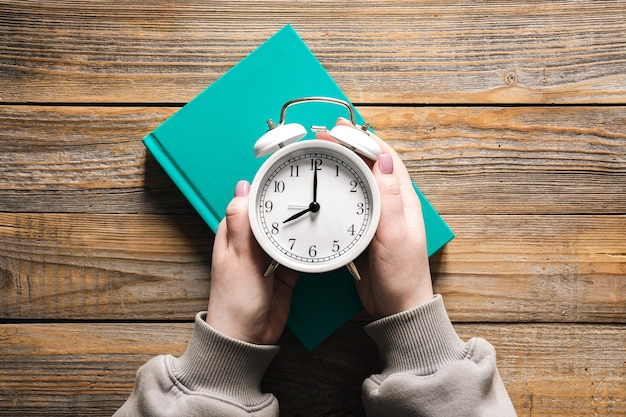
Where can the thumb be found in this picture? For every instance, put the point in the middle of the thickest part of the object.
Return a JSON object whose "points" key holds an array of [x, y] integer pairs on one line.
{"points": [[237, 222]]}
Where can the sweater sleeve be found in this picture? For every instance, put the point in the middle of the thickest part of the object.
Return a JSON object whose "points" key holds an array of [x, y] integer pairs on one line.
{"points": [[429, 371], [216, 375]]}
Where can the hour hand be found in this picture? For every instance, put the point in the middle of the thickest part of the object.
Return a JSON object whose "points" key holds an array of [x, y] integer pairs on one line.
{"points": [[298, 215]]}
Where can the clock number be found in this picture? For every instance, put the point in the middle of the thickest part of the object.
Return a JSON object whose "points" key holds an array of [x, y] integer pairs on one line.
{"points": [[293, 242], [336, 170], [336, 246], [316, 164], [360, 209], [275, 228], [354, 184], [294, 170], [313, 251], [269, 206], [351, 230], [279, 186]]}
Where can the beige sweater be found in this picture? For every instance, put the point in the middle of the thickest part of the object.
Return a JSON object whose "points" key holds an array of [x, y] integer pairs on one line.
{"points": [[427, 371]]}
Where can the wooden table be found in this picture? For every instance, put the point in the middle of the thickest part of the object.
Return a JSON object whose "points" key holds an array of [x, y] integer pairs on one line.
{"points": [[511, 118]]}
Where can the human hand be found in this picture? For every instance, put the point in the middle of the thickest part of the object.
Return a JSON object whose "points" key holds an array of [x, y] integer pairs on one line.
{"points": [[243, 304], [395, 271]]}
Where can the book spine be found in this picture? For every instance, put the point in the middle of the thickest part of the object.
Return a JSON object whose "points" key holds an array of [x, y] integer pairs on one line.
{"points": [[152, 143]]}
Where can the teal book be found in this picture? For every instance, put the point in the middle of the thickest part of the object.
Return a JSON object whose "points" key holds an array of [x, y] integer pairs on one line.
{"points": [[206, 147]]}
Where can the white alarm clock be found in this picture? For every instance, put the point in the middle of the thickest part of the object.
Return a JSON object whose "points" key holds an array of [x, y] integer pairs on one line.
{"points": [[314, 204]]}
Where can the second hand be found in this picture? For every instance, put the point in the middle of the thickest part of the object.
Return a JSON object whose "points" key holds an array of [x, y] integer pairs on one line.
{"points": [[296, 206]]}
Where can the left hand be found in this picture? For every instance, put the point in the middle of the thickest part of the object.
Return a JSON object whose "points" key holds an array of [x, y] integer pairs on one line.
{"points": [[243, 304], [395, 270]]}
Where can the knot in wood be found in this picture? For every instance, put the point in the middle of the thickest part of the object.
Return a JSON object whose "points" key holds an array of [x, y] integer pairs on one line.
{"points": [[510, 77]]}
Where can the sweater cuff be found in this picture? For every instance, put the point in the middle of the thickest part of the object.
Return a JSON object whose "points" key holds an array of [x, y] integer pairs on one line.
{"points": [[417, 341], [216, 364]]}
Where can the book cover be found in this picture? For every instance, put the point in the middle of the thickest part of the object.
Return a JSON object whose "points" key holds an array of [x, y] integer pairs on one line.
{"points": [[207, 146]]}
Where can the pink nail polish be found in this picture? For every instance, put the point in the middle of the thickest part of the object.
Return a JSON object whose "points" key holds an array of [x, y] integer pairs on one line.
{"points": [[242, 189], [385, 163]]}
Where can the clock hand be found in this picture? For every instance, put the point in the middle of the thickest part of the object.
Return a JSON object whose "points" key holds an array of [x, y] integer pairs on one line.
{"points": [[315, 185], [296, 206], [297, 215], [313, 208]]}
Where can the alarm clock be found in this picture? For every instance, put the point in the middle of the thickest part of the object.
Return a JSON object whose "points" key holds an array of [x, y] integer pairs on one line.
{"points": [[314, 205]]}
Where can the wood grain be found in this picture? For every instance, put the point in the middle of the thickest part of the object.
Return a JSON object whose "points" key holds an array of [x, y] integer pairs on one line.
{"points": [[103, 267], [58, 369], [511, 118], [378, 51], [498, 268], [466, 160], [83, 159], [534, 268]]}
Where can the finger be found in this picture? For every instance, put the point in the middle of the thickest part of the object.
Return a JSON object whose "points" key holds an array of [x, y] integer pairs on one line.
{"points": [[391, 198], [400, 171], [324, 136], [237, 223], [343, 121], [384, 146], [402, 177]]}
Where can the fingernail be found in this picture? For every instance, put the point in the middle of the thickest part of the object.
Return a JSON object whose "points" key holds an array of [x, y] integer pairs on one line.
{"points": [[242, 189], [385, 163]]}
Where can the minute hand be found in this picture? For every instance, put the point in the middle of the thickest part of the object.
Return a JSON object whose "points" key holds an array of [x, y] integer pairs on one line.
{"points": [[315, 185]]}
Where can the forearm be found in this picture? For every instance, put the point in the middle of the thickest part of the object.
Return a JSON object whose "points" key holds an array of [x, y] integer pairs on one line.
{"points": [[215, 376], [429, 371]]}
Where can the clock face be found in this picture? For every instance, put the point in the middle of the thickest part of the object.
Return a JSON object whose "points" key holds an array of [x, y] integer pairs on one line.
{"points": [[314, 206]]}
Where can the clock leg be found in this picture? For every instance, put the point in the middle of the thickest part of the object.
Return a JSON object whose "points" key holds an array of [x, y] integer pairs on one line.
{"points": [[270, 269], [355, 273]]}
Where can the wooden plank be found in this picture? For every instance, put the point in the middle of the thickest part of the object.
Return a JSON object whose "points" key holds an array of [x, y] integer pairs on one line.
{"points": [[106, 267], [88, 369], [77, 369], [558, 370], [83, 159], [498, 268], [534, 268], [512, 160], [466, 160], [378, 51]]}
